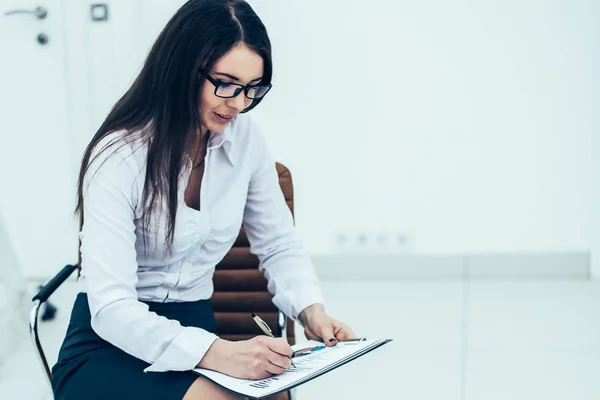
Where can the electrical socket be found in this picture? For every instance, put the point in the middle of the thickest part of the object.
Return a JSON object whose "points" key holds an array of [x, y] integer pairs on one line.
{"points": [[373, 241]]}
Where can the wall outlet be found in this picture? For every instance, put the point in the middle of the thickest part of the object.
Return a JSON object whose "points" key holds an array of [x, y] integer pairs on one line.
{"points": [[373, 241]]}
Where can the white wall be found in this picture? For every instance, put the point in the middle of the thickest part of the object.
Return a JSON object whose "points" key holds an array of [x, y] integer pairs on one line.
{"points": [[468, 126], [14, 300], [37, 174]]}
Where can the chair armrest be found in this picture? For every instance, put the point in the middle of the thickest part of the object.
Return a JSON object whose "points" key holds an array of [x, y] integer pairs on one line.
{"points": [[282, 324], [54, 283]]}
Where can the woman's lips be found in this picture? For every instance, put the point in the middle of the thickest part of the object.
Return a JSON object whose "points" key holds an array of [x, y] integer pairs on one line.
{"points": [[222, 118]]}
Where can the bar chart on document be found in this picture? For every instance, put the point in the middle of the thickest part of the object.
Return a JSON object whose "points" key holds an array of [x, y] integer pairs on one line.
{"points": [[303, 366], [311, 359]]}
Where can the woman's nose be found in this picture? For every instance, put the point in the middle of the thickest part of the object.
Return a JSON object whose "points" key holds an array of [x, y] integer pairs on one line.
{"points": [[238, 102]]}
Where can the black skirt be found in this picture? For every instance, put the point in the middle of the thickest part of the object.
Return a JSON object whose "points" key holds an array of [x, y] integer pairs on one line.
{"points": [[90, 368]]}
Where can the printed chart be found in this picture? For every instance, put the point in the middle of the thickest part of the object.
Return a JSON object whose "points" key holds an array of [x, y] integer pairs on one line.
{"points": [[311, 359]]}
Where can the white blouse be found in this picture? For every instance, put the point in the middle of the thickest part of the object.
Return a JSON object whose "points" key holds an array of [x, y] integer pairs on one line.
{"points": [[240, 185]]}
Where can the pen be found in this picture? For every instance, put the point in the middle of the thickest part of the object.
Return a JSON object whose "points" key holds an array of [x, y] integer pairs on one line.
{"points": [[265, 328]]}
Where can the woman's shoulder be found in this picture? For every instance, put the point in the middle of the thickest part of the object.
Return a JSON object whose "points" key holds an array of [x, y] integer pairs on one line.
{"points": [[250, 145], [118, 152], [246, 131], [120, 145]]}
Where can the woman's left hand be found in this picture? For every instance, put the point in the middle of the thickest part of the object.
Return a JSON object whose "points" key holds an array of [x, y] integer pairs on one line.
{"points": [[320, 326]]}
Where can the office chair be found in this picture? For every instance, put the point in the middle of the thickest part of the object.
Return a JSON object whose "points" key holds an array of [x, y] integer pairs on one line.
{"points": [[239, 289]]}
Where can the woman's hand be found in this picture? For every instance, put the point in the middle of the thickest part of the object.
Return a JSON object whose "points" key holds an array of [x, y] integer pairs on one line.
{"points": [[257, 358], [320, 326]]}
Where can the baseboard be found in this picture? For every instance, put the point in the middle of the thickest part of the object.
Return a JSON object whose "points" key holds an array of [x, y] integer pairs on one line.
{"points": [[575, 265], [387, 266], [567, 265]]}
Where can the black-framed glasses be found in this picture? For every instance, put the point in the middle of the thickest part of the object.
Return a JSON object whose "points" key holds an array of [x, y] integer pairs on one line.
{"points": [[227, 90]]}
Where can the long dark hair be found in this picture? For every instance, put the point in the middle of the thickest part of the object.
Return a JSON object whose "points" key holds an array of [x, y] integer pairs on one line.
{"points": [[165, 97]]}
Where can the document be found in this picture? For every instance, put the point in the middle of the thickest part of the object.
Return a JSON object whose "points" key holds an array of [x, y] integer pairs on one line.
{"points": [[312, 359]]}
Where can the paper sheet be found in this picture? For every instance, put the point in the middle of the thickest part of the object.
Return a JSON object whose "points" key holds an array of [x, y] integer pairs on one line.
{"points": [[311, 360]]}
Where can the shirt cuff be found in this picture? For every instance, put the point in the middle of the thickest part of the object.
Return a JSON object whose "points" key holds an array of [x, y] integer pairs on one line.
{"points": [[304, 299], [185, 351]]}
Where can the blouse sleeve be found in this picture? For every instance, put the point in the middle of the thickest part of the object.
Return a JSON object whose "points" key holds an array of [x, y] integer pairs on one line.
{"points": [[109, 267], [273, 238]]}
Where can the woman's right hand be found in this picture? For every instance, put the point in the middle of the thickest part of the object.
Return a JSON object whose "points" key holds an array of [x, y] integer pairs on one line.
{"points": [[257, 358]]}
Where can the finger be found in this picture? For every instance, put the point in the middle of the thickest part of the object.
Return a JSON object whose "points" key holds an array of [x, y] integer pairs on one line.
{"points": [[345, 333], [280, 346], [327, 335], [278, 359], [273, 368], [310, 335]]}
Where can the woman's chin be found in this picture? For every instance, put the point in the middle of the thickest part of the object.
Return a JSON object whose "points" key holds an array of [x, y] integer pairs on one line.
{"points": [[216, 125]]}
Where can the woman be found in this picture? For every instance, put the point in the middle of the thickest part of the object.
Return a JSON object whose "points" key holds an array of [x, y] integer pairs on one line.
{"points": [[164, 187]]}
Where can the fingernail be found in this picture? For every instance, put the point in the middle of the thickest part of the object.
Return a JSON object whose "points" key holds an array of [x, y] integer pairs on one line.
{"points": [[331, 340]]}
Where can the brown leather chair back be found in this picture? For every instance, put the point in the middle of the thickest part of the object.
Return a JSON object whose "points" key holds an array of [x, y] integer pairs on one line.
{"points": [[241, 289]]}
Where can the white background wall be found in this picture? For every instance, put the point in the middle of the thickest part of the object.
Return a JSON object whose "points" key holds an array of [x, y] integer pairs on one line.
{"points": [[468, 124], [466, 127]]}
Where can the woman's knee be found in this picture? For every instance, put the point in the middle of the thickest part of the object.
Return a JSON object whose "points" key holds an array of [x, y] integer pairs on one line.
{"points": [[203, 389]]}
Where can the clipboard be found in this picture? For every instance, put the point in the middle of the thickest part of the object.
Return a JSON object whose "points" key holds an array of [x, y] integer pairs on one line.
{"points": [[312, 359]]}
